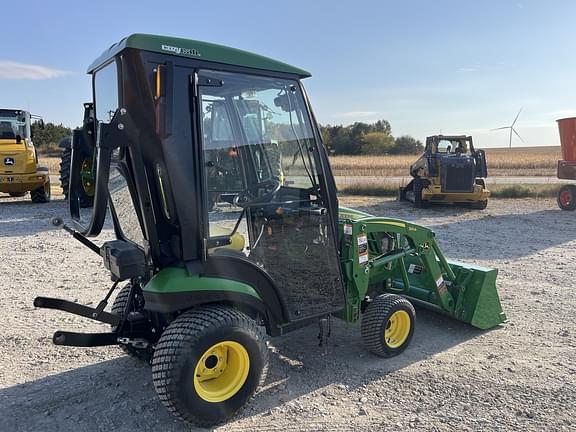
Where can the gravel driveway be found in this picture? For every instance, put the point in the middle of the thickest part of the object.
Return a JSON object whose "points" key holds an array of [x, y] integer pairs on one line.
{"points": [[520, 376]]}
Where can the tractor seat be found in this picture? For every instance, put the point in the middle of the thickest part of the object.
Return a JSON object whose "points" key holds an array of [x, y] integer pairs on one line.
{"points": [[238, 240]]}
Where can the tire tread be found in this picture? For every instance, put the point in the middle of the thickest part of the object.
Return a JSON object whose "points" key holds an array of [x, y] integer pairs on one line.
{"points": [[372, 326], [187, 329]]}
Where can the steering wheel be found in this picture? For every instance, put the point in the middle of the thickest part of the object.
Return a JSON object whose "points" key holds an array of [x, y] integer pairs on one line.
{"points": [[258, 193]]}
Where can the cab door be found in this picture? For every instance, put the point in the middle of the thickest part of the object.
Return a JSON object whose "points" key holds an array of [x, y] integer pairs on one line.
{"points": [[259, 148]]}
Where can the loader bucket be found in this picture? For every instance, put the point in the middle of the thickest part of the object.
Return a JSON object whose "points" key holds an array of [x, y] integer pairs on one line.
{"points": [[476, 300]]}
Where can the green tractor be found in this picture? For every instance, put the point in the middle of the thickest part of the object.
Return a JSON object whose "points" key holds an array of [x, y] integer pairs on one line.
{"points": [[204, 288]]}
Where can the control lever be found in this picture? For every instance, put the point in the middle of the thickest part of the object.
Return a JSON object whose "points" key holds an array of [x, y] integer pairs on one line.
{"points": [[59, 223]]}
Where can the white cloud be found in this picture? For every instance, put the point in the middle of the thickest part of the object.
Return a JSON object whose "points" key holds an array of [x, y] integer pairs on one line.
{"points": [[23, 71]]}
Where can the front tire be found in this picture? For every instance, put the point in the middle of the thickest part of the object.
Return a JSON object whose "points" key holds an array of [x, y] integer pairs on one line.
{"points": [[42, 194], [388, 325], [479, 205], [208, 363]]}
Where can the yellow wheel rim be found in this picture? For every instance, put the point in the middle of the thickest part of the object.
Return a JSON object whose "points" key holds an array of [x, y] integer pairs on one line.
{"points": [[221, 371], [397, 329]]}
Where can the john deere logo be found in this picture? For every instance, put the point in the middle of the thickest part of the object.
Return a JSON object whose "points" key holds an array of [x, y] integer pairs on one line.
{"points": [[9, 161]]}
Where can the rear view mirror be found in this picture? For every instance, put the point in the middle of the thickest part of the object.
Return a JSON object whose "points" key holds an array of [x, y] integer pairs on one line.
{"points": [[282, 102], [120, 132]]}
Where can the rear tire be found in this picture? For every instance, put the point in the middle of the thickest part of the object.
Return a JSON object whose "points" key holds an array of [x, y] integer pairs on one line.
{"points": [[388, 325], [85, 199], [42, 194], [566, 198], [65, 162], [188, 357], [118, 308]]}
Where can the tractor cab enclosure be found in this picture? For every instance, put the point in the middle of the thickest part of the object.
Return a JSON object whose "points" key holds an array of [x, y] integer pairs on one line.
{"points": [[212, 171]]}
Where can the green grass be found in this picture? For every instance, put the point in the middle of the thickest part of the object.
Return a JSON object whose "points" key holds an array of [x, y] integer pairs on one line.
{"points": [[524, 191], [370, 189], [497, 191]]}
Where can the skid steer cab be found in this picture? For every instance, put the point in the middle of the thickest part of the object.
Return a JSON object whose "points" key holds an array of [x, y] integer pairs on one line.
{"points": [[209, 162], [450, 171]]}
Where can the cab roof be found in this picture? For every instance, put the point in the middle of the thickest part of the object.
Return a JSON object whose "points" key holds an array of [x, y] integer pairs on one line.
{"points": [[196, 49], [448, 137]]}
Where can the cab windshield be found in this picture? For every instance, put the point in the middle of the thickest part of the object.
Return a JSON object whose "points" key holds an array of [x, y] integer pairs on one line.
{"points": [[453, 146], [13, 123], [254, 129]]}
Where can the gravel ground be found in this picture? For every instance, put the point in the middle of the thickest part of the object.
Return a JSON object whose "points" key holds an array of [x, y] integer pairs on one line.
{"points": [[520, 376]]}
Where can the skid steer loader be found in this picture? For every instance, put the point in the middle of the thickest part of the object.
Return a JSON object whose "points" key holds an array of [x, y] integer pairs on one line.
{"points": [[19, 168], [450, 170], [203, 287]]}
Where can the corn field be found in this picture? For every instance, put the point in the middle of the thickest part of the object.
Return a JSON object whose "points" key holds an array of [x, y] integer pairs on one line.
{"points": [[525, 161]]}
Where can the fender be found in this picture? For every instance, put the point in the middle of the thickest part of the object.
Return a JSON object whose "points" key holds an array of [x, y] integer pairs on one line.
{"points": [[174, 289]]}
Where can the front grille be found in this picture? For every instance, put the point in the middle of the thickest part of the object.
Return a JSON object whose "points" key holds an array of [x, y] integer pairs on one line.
{"points": [[458, 174]]}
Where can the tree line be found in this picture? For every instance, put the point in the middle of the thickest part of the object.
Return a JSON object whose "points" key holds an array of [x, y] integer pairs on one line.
{"points": [[48, 136], [367, 139], [356, 139]]}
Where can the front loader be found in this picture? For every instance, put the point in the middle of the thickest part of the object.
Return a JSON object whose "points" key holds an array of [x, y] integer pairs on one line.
{"points": [[203, 286]]}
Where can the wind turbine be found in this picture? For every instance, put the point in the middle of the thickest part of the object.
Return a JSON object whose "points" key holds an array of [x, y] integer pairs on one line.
{"points": [[511, 127]]}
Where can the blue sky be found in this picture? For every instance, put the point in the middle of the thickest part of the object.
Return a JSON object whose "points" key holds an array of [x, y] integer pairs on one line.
{"points": [[425, 66]]}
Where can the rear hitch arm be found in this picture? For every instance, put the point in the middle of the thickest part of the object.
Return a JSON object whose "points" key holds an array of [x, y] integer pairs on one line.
{"points": [[85, 339], [77, 309]]}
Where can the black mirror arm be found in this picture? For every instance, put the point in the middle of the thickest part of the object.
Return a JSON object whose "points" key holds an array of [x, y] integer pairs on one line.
{"points": [[120, 132]]}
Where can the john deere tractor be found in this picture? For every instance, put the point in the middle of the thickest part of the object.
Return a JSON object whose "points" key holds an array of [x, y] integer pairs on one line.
{"points": [[19, 168], [201, 288], [450, 170]]}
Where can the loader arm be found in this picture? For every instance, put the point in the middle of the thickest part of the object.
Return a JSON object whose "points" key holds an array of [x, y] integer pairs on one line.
{"points": [[391, 255]]}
